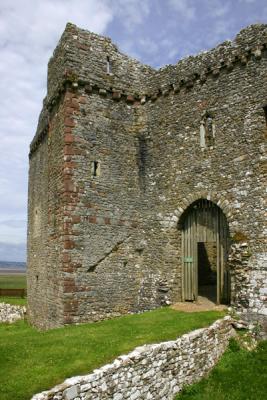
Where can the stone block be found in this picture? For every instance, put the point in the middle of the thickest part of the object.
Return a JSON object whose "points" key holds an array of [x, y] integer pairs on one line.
{"points": [[71, 393]]}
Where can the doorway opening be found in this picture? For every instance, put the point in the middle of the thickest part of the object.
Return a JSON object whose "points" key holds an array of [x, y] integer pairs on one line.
{"points": [[205, 246], [207, 270]]}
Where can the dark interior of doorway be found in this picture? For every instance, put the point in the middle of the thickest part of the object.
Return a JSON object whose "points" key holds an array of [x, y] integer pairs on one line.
{"points": [[207, 270]]}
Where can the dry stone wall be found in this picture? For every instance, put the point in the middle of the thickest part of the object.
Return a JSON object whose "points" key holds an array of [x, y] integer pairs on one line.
{"points": [[156, 371], [119, 155], [11, 313]]}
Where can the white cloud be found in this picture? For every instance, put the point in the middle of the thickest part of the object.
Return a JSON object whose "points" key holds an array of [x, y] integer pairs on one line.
{"points": [[12, 252], [218, 8], [185, 8], [12, 235], [29, 31], [131, 12], [150, 46]]}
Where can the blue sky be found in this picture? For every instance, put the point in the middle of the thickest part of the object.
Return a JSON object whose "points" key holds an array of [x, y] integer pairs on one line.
{"points": [[157, 32]]}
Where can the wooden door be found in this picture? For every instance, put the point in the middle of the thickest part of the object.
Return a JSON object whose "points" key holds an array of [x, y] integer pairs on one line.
{"points": [[190, 287], [204, 223]]}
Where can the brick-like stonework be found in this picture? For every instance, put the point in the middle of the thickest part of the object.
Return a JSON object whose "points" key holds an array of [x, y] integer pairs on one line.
{"points": [[155, 371], [109, 244]]}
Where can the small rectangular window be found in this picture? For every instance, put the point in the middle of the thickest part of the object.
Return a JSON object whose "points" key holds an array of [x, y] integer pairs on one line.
{"points": [[109, 65], [95, 168]]}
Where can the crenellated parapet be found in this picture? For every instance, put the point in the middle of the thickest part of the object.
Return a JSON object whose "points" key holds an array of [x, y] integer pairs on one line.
{"points": [[83, 59], [249, 46], [86, 58]]}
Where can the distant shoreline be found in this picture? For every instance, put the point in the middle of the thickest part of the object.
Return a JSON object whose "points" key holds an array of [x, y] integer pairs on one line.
{"points": [[12, 271]]}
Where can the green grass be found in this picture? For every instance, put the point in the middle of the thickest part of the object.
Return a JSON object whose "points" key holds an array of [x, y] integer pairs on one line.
{"points": [[18, 301], [32, 361], [13, 281], [239, 375]]}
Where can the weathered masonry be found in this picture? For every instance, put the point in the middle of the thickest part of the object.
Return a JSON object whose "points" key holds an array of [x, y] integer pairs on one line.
{"points": [[147, 187]]}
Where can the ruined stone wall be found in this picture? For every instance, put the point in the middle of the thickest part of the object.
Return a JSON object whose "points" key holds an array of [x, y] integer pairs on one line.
{"points": [[45, 224], [102, 230], [155, 371], [230, 172], [82, 56], [118, 157], [249, 283], [102, 269], [108, 267]]}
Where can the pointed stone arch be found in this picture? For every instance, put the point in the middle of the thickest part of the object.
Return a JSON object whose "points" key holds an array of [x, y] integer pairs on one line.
{"points": [[217, 199]]}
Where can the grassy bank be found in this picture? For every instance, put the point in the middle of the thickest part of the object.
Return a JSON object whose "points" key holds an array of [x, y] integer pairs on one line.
{"points": [[18, 301], [239, 375], [13, 281], [32, 361]]}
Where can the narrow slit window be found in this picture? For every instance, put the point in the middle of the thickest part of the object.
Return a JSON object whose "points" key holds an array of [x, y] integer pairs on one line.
{"points": [[95, 168], [265, 113], [207, 131], [109, 65], [142, 155], [142, 160]]}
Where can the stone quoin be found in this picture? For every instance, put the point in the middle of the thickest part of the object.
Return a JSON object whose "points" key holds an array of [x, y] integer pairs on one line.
{"points": [[147, 187]]}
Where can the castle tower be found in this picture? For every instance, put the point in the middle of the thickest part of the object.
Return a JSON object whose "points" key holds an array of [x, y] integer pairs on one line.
{"points": [[146, 187]]}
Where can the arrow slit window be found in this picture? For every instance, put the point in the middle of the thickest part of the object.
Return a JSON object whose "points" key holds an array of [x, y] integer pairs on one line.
{"points": [[207, 131], [95, 169]]}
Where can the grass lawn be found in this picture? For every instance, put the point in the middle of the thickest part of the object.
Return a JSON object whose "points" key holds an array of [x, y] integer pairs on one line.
{"points": [[32, 361], [13, 281], [18, 301], [239, 375]]}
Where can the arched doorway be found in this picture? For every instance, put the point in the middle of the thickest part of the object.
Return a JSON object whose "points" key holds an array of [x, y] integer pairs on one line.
{"points": [[205, 245]]}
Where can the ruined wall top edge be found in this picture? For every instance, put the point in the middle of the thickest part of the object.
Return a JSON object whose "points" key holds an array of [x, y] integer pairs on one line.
{"points": [[82, 56], [250, 41]]}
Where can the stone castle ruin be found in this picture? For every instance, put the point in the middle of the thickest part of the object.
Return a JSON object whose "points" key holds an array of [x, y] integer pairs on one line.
{"points": [[147, 187]]}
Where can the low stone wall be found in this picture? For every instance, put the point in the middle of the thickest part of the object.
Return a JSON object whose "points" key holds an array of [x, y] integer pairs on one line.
{"points": [[155, 371], [11, 313]]}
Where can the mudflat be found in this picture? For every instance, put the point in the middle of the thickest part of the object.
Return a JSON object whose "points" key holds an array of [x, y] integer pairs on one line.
{"points": [[12, 271]]}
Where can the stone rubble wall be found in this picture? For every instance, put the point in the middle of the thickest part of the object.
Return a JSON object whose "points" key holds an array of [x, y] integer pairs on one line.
{"points": [[11, 313], [155, 371], [249, 285], [46, 200], [248, 43]]}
